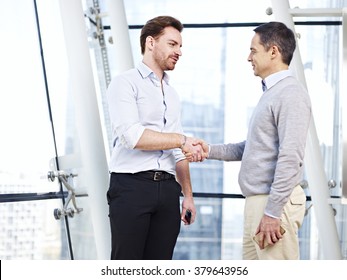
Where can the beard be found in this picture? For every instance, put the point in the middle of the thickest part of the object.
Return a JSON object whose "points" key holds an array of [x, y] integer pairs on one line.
{"points": [[166, 63]]}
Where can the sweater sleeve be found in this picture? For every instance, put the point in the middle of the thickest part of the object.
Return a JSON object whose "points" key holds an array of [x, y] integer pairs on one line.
{"points": [[227, 152]]}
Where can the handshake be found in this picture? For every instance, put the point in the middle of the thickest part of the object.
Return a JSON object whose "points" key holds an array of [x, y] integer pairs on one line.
{"points": [[194, 149]]}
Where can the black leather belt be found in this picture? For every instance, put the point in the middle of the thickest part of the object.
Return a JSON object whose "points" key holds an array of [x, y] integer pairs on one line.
{"points": [[156, 175]]}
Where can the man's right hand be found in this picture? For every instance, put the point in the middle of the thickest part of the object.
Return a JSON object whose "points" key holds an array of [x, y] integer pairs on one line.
{"points": [[195, 150]]}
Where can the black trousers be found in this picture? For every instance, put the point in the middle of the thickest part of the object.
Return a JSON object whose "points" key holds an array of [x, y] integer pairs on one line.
{"points": [[144, 216]]}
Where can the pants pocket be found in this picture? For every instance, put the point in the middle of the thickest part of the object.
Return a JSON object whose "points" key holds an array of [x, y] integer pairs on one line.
{"points": [[297, 206], [298, 196]]}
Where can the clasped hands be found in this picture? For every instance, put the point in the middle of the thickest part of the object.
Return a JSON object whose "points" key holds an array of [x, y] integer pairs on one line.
{"points": [[268, 232], [195, 150]]}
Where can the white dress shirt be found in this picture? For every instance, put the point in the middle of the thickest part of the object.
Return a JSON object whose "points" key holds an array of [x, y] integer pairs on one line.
{"points": [[137, 101]]}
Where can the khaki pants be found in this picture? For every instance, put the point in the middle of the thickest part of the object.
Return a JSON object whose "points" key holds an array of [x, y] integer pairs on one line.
{"points": [[292, 217]]}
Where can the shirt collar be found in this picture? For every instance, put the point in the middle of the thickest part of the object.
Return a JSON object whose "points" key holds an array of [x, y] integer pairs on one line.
{"points": [[147, 72], [273, 79]]}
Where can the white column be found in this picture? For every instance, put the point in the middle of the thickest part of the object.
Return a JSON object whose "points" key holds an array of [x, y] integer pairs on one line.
{"points": [[343, 100], [120, 35], [316, 176], [94, 171]]}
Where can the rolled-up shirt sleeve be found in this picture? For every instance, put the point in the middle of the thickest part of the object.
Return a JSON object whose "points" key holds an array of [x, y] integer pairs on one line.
{"points": [[178, 155], [129, 135], [123, 112]]}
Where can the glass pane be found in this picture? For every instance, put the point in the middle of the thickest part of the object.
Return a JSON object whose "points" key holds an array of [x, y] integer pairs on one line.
{"points": [[322, 71], [28, 231], [27, 148], [216, 106], [321, 52], [216, 234], [26, 139], [82, 233]]}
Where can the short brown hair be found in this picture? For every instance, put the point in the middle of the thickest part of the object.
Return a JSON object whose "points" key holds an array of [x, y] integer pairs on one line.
{"points": [[154, 27]]}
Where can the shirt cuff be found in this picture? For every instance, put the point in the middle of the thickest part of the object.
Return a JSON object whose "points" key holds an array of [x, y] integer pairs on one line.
{"points": [[131, 136]]}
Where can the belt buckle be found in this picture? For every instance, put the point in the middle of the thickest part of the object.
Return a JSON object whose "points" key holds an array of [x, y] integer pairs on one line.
{"points": [[157, 176]]}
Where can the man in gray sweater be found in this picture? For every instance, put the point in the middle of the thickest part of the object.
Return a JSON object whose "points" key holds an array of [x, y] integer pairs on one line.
{"points": [[273, 154]]}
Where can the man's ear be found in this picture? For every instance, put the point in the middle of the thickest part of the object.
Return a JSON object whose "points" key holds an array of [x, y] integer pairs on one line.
{"points": [[274, 51], [150, 42]]}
